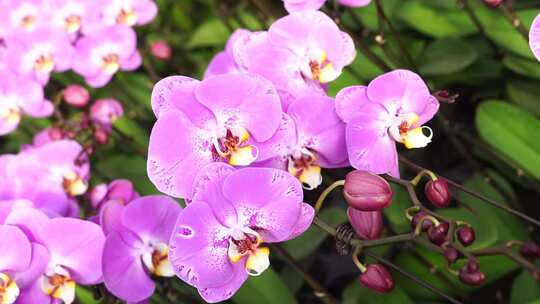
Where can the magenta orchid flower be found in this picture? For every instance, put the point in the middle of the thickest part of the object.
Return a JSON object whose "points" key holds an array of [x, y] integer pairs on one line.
{"points": [[311, 137], [20, 96], [71, 16], [137, 245], [16, 257], [219, 119], [104, 51], [73, 248], [128, 12], [299, 54], [120, 190], [39, 53], [218, 238], [105, 112], [301, 5], [392, 108], [223, 62], [18, 16], [534, 37]]}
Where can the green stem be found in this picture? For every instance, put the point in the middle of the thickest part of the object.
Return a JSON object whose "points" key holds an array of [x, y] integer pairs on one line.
{"points": [[326, 192]]}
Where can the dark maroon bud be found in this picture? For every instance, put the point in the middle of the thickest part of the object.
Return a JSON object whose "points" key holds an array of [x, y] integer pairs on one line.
{"points": [[493, 3], [472, 266], [474, 278], [366, 192], [426, 224], [437, 235], [437, 193], [444, 96], [367, 224], [451, 254], [466, 236], [376, 277], [101, 136], [530, 250]]}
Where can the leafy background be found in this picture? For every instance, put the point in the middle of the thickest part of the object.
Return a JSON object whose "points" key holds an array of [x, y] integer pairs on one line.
{"points": [[488, 139]]}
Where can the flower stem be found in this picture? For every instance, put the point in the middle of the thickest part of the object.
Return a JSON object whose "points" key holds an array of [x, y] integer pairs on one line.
{"points": [[326, 192]]}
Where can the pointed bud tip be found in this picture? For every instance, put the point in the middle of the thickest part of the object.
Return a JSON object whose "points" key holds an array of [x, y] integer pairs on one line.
{"points": [[377, 277], [437, 193]]}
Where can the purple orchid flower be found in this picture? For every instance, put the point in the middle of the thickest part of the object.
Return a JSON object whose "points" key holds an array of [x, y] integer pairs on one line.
{"points": [[18, 16], [137, 245], [299, 54], [39, 53], [220, 119], [392, 108], [73, 248], [104, 51], [534, 37], [128, 12], [105, 111], [72, 16], [311, 136], [217, 240], [301, 5], [16, 256], [120, 190], [223, 62], [18, 96]]}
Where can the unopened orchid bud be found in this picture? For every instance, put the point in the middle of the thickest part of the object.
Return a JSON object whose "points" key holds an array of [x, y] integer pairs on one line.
{"points": [[161, 50], [471, 274], [76, 95], [367, 224], [101, 136], [437, 235], [451, 254], [530, 250], [466, 235], [366, 192], [437, 193], [106, 111], [493, 3], [426, 223], [377, 278], [56, 133]]}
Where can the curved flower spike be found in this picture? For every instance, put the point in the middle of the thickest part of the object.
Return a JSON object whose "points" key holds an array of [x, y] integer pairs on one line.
{"points": [[220, 119], [392, 108], [219, 237]]}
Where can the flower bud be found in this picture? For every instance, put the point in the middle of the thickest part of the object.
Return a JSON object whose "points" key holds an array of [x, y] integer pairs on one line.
{"points": [[76, 95], [451, 254], [106, 111], [466, 236], [55, 133], [426, 224], [161, 50], [471, 274], [366, 192], [376, 277], [437, 235], [101, 136], [437, 193], [493, 3], [367, 224], [530, 250]]}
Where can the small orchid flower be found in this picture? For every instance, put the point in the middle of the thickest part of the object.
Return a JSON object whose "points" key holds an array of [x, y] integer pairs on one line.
{"points": [[105, 112], [137, 245], [104, 51], [301, 5], [223, 62], [218, 238], [534, 37], [70, 16], [129, 12], [74, 247], [16, 254], [219, 119], [299, 54], [22, 15], [311, 136], [392, 108], [39, 53], [18, 96], [119, 190]]}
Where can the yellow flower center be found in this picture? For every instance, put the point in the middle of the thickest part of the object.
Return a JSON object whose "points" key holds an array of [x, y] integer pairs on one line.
{"points": [[304, 168], [9, 291], [10, 115], [44, 63], [412, 138], [127, 17], [28, 22], [234, 148], [320, 68], [73, 184], [157, 261], [248, 244], [72, 24], [110, 63], [59, 286]]}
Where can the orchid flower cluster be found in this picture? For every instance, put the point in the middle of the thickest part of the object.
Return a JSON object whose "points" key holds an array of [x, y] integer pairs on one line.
{"points": [[38, 37], [240, 144]]}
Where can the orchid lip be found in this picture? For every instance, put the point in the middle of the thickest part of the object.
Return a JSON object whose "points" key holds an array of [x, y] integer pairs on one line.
{"points": [[44, 63], [246, 242], [127, 17], [72, 24], [110, 63], [401, 131], [9, 291], [59, 285], [12, 115], [303, 166], [234, 147], [156, 260]]}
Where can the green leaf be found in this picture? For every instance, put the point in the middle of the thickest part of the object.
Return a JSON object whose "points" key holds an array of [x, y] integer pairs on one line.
{"points": [[267, 288], [435, 22], [85, 296], [525, 93], [129, 128], [511, 131], [395, 213], [128, 167], [522, 66], [356, 294], [525, 289], [212, 32], [310, 240], [446, 56]]}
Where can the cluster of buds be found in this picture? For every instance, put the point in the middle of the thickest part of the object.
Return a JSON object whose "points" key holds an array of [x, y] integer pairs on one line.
{"points": [[101, 115]]}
